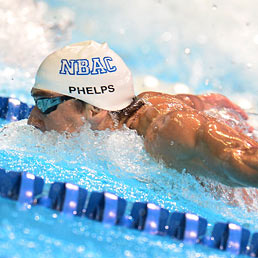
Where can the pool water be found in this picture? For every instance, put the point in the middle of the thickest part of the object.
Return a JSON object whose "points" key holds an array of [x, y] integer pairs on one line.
{"points": [[104, 161]]}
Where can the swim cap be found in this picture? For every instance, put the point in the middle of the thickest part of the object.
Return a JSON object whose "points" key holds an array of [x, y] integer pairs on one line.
{"points": [[88, 71]]}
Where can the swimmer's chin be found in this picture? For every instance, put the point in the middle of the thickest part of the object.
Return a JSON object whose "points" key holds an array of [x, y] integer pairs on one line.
{"points": [[38, 126]]}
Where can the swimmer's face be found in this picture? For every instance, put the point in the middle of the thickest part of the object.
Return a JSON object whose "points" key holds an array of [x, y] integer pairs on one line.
{"points": [[69, 116]]}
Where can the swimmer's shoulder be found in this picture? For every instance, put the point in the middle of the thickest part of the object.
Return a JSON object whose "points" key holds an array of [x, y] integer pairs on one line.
{"points": [[156, 97], [172, 102], [162, 101]]}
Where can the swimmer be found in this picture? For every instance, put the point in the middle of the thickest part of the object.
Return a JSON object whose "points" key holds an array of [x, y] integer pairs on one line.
{"points": [[89, 83]]}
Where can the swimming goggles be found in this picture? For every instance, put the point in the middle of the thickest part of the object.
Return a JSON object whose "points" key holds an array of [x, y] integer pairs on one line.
{"points": [[48, 105]]}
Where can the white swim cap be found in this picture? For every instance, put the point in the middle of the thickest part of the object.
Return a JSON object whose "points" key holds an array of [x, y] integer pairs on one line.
{"points": [[88, 71]]}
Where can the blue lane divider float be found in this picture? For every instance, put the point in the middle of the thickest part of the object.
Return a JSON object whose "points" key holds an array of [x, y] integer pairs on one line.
{"points": [[105, 207], [65, 197], [149, 218], [20, 186], [229, 237], [187, 227], [110, 209]]}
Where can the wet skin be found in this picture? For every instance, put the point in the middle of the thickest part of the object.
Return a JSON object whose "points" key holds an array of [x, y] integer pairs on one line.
{"points": [[176, 130], [69, 116]]}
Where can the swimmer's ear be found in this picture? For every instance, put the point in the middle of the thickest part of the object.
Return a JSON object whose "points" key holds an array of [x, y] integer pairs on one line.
{"points": [[93, 110], [85, 107], [80, 105]]}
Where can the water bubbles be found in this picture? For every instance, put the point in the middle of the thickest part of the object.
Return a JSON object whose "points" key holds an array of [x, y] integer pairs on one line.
{"points": [[11, 236], [127, 253], [57, 243], [129, 237], [27, 75], [207, 81], [155, 129], [31, 244], [26, 230], [80, 249], [187, 51], [181, 88], [150, 82], [99, 238], [249, 65]]}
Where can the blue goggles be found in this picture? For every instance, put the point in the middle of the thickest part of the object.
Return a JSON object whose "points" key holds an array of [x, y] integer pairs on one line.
{"points": [[48, 105]]}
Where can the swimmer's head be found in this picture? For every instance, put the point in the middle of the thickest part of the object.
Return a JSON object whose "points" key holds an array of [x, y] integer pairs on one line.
{"points": [[90, 72], [81, 82]]}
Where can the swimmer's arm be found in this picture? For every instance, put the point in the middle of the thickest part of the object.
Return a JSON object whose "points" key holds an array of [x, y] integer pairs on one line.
{"points": [[189, 140], [237, 152]]}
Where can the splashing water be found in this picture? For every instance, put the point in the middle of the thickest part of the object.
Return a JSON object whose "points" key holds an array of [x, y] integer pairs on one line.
{"points": [[234, 120]]}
